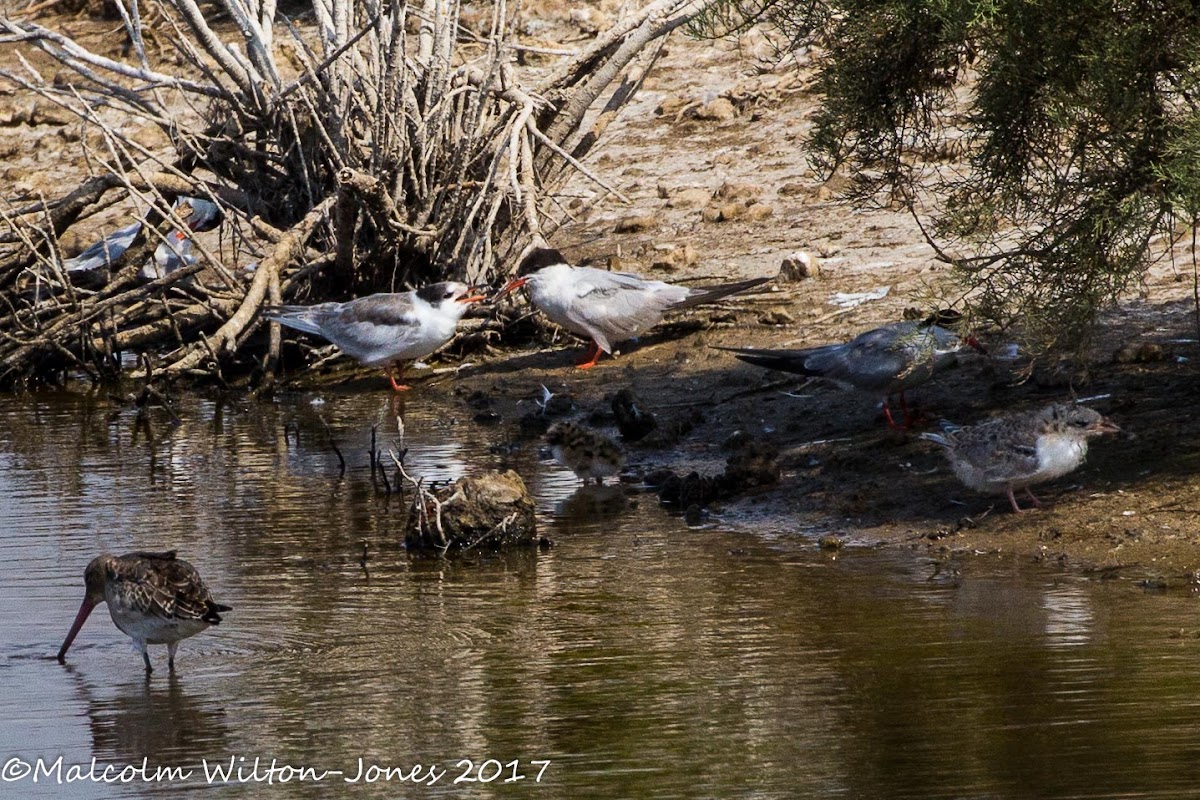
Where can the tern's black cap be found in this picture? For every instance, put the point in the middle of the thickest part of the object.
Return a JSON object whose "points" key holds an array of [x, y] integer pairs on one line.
{"points": [[435, 293], [538, 258]]}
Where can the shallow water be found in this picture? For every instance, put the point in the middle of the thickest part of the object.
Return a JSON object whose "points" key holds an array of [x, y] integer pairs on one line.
{"points": [[640, 658]]}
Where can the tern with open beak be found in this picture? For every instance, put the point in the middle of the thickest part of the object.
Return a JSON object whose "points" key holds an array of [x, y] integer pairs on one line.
{"points": [[385, 329]]}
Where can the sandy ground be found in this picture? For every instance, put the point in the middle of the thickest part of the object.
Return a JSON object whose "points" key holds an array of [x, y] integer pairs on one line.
{"points": [[711, 154], [1131, 507]]}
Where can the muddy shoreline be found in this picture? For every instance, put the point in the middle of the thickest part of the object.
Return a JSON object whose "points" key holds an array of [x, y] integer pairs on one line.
{"points": [[711, 155], [845, 479]]}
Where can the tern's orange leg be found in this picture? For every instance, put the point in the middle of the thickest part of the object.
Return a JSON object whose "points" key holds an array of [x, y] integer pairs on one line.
{"points": [[887, 414], [591, 357], [398, 367], [1032, 497], [1013, 500]]}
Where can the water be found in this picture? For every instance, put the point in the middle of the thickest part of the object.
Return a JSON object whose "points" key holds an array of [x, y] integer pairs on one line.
{"points": [[638, 657]]}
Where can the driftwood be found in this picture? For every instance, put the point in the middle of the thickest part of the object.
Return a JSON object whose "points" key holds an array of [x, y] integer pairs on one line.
{"points": [[391, 146]]}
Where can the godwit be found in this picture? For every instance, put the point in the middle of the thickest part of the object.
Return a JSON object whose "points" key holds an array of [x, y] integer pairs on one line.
{"points": [[607, 307], [385, 329], [154, 598]]}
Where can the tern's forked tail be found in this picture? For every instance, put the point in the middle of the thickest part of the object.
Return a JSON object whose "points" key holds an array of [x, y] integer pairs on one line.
{"points": [[298, 317], [711, 294], [793, 361]]}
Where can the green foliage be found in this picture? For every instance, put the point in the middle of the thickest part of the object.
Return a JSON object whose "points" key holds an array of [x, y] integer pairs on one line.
{"points": [[1058, 140]]}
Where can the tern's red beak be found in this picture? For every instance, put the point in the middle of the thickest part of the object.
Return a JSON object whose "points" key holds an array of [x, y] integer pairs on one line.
{"points": [[512, 286], [80, 618], [475, 298], [1106, 425], [974, 344]]}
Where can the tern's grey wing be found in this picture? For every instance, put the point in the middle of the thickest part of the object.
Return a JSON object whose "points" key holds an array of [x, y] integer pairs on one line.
{"points": [[999, 452], [380, 309], [885, 359], [615, 306], [866, 366], [375, 328]]}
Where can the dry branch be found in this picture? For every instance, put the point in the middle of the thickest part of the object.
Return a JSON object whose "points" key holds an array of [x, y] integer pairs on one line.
{"points": [[432, 151]]}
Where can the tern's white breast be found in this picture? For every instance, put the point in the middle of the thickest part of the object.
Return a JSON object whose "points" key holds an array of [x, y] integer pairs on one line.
{"points": [[554, 292], [1058, 455]]}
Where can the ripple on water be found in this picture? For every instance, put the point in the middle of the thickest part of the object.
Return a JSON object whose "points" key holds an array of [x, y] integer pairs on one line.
{"points": [[642, 658]]}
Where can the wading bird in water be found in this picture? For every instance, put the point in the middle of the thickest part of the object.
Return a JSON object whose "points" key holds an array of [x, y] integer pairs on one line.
{"points": [[606, 307], [154, 598], [384, 330]]}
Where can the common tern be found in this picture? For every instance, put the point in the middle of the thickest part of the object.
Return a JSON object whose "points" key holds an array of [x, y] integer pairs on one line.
{"points": [[606, 307], [885, 361], [385, 329], [1021, 450]]}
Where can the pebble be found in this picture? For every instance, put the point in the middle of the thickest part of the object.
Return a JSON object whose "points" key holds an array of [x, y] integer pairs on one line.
{"points": [[798, 266]]}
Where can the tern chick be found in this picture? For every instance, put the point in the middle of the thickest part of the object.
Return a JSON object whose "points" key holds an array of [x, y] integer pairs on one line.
{"points": [[1021, 450], [586, 453]]}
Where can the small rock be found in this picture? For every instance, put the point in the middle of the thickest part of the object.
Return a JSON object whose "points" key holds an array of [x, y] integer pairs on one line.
{"points": [[487, 511], [737, 440], [671, 257], [835, 187], [723, 212], [479, 400], [559, 405], [738, 191], [636, 224], [149, 137], [488, 418], [798, 266], [534, 424], [692, 196], [793, 189], [1140, 353], [671, 105], [634, 420], [658, 477], [1061, 375], [49, 114], [694, 515], [720, 110], [758, 211], [777, 316], [754, 464], [829, 543]]}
